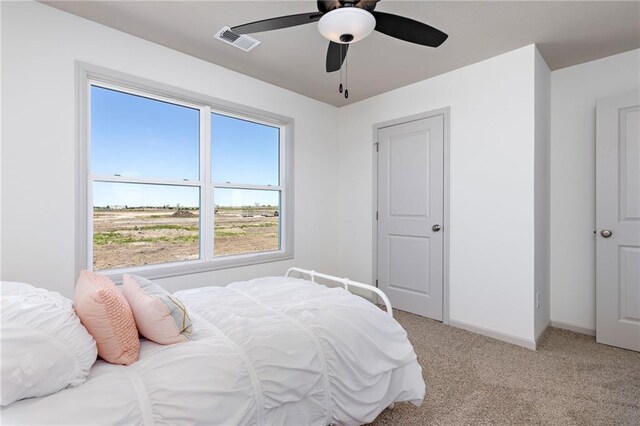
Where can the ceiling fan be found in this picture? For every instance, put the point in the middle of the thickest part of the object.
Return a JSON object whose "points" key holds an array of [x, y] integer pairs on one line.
{"points": [[343, 22]]}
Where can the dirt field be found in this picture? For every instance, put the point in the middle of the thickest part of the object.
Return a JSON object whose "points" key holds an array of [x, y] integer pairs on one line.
{"points": [[133, 237]]}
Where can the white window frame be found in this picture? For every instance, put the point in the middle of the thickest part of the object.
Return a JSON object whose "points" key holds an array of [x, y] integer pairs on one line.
{"points": [[88, 75]]}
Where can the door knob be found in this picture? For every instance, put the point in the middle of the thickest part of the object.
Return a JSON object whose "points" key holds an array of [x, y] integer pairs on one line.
{"points": [[606, 233], [435, 228]]}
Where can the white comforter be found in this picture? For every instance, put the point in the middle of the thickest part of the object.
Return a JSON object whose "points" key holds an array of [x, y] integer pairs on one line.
{"points": [[269, 351]]}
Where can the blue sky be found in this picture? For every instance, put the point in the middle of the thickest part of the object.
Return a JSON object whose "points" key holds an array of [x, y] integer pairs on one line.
{"points": [[136, 136]]}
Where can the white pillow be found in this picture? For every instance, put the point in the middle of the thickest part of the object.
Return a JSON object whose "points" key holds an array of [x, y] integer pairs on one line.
{"points": [[44, 347]]}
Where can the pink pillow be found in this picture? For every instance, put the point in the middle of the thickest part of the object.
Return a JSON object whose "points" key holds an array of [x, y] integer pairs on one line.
{"points": [[159, 316], [105, 313]]}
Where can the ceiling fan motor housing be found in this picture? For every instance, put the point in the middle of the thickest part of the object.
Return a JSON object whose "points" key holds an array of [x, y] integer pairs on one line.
{"points": [[346, 25]]}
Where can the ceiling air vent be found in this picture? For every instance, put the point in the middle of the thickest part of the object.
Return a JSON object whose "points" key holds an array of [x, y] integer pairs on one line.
{"points": [[243, 42]]}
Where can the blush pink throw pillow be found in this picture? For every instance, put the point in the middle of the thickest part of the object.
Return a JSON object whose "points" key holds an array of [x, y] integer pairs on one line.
{"points": [[159, 316], [105, 313]]}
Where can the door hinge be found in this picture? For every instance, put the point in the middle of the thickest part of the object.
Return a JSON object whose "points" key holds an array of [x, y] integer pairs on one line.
{"points": [[376, 215], [377, 146], [376, 282]]}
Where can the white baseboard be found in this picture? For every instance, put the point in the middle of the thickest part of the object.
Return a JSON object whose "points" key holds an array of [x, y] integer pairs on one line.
{"points": [[541, 333], [515, 340], [574, 328]]}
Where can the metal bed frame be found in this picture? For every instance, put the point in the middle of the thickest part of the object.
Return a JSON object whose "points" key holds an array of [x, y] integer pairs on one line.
{"points": [[346, 282]]}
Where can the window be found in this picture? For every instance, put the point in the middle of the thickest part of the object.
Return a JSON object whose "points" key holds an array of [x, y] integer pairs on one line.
{"points": [[176, 183], [246, 176]]}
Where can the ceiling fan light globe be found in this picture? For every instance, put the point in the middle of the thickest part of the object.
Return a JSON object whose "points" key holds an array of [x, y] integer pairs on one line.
{"points": [[352, 22]]}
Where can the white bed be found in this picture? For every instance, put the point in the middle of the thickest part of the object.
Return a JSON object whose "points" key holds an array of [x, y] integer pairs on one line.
{"points": [[270, 351]]}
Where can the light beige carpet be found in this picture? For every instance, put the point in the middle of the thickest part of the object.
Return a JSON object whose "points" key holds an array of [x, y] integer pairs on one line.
{"points": [[475, 380]]}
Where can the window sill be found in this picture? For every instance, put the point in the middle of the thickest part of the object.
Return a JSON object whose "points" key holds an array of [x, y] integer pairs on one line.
{"points": [[167, 270]]}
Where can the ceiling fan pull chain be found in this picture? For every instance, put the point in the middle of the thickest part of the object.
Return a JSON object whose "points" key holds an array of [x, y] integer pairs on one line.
{"points": [[340, 87], [346, 78]]}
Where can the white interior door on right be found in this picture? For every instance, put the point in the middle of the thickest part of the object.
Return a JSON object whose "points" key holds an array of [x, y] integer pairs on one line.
{"points": [[410, 214], [618, 221]]}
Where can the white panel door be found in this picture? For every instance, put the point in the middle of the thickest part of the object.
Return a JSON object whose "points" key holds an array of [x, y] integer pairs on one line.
{"points": [[618, 221], [410, 212]]}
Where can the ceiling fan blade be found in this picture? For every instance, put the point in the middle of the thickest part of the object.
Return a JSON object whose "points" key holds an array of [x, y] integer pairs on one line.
{"points": [[408, 30], [335, 56], [277, 23]]}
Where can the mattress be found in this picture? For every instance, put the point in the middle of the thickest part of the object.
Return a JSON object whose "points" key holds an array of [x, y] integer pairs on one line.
{"points": [[269, 351]]}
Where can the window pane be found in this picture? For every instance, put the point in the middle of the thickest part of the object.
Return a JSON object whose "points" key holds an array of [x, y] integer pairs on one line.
{"points": [[244, 152], [136, 225], [136, 136], [246, 221]]}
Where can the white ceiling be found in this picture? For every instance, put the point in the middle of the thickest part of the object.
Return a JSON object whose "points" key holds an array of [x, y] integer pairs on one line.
{"points": [[567, 33]]}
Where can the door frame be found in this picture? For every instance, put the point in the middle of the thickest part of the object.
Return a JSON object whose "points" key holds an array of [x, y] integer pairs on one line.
{"points": [[445, 113]]}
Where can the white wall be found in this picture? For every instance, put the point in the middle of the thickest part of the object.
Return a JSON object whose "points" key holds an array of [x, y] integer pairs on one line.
{"points": [[39, 48], [574, 91], [492, 186], [542, 194]]}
